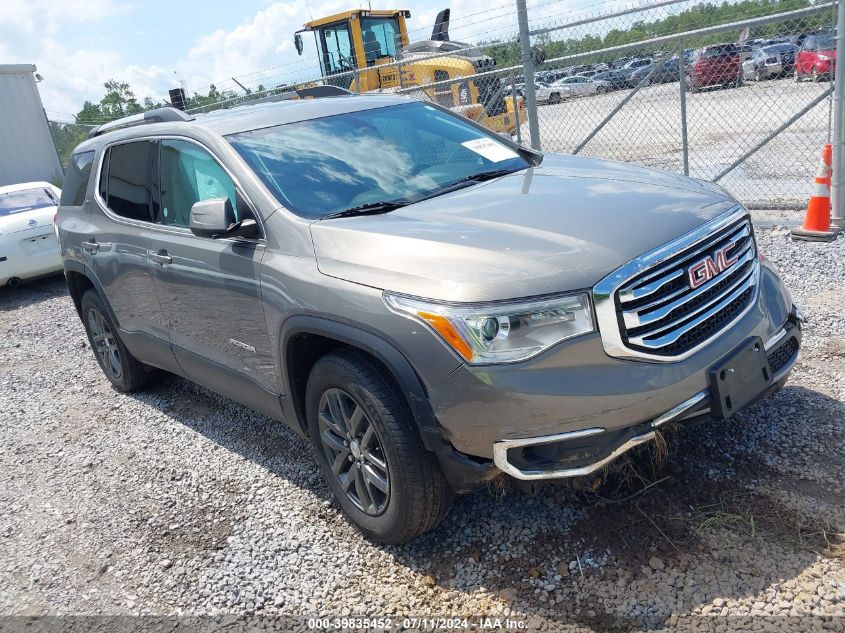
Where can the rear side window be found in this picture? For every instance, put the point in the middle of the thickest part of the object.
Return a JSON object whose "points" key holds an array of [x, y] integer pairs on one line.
{"points": [[76, 179], [25, 200], [126, 180]]}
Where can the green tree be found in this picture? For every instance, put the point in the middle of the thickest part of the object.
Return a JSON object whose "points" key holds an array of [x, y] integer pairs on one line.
{"points": [[119, 100]]}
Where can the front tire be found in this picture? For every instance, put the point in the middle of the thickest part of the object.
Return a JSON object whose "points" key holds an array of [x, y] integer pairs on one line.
{"points": [[554, 98], [123, 370], [370, 452]]}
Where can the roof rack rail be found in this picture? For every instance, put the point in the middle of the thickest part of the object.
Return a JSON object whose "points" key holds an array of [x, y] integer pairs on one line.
{"points": [[317, 92], [159, 115], [323, 91]]}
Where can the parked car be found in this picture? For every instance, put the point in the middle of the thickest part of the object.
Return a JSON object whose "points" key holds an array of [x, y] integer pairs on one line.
{"points": [[633, 66], [579, 86], [716, 65], [615, 79], [668, 72], [28, 247], [549, 93], [817, 57], [353, 266], [776, 60], [551, 76], [543, 92]]}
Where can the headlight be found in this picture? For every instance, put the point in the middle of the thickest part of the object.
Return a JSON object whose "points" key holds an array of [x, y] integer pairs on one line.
{"points": [[500, 332], [824, 58]]}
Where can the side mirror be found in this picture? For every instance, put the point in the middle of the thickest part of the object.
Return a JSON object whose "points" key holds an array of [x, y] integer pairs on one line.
{"points": [[215, 218], [297, 42], [212, 217]]}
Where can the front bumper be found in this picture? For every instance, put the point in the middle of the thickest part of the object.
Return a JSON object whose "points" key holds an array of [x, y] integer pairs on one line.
{"points": [[580, 453], [554, 403]]}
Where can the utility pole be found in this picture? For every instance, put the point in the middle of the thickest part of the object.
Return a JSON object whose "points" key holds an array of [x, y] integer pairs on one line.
{"points": [[528, 71]]}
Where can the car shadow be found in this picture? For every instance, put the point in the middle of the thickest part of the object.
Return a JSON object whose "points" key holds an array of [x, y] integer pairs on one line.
{"points": [[653, 536], [32, 292]]}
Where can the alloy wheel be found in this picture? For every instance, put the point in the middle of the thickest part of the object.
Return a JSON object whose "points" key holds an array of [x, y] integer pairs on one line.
{"points": [[354, 452], [105, 344]]}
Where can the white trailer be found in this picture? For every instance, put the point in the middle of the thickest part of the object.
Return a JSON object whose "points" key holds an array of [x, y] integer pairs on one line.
{"points": [[27, 151]]}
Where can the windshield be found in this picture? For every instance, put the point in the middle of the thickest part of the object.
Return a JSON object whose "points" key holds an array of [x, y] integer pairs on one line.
{"points": [[405, 152], [379, 35], [825, 43], [25, 200]]}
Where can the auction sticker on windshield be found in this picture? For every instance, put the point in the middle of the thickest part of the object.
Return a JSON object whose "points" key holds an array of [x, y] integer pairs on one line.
{"points": [[490, 149]]}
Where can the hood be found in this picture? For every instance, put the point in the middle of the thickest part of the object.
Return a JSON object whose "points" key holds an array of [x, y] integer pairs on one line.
{"points": [[561, 226]]}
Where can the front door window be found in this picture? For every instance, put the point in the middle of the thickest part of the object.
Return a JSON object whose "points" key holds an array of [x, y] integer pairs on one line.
{"points": [[337, 54]]}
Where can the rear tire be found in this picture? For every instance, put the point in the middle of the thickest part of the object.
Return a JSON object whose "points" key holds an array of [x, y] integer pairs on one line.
{"points": [[370, 452], [797, 75], [814, 74], [554, 98], [124, 371]]}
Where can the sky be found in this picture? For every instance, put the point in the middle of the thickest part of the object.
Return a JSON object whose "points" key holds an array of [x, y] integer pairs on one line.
{"points": [[77, 45]]}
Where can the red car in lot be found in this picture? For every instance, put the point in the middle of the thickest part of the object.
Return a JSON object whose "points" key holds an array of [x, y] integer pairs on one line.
{"points": [[817, 57], [718, 65]]}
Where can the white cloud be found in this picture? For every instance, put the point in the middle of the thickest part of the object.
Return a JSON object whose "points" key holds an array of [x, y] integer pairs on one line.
{"points": [[257, 51]]}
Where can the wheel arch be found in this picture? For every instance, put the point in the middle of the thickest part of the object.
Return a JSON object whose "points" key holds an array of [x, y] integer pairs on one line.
{"points": [[79, 279], [306, 339]]}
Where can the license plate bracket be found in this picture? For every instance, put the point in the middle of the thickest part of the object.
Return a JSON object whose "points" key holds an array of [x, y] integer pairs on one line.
{"points": [[740, 378]]}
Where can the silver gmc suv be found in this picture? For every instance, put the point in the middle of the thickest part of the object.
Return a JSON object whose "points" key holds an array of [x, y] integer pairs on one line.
{"points": [[432, 305]]}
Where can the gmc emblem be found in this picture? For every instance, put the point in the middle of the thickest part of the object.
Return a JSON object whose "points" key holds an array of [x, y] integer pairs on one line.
{"points": [[704, 270]]}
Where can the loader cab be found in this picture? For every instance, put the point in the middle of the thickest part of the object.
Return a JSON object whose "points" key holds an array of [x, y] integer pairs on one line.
{"points": [[358, 39]]}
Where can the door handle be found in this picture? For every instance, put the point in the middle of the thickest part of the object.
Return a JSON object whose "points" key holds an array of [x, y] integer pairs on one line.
{"points": [[91, 246], [161, 257]]}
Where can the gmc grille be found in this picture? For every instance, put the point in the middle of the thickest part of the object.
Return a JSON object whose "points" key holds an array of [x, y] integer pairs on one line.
{"points": [[669, 309]]}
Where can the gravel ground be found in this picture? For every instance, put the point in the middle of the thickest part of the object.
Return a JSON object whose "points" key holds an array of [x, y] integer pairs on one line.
{"points": [[177, 501]]}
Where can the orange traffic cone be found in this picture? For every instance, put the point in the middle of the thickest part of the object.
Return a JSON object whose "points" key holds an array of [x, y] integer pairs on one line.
{"points": [[817, 221]]}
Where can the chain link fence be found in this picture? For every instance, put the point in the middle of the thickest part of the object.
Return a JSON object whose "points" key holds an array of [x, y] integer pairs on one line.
{"points": [[745, 102], [739, 93], [66, 136]]}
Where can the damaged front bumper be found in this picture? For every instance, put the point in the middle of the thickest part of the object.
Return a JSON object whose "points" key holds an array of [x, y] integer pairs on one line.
{"points": [[582, 452]]}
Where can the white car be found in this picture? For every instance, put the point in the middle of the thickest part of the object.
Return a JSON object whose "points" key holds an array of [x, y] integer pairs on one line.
{"points": [[580, 86], [544, 93], [551, 93], [28, 244]]}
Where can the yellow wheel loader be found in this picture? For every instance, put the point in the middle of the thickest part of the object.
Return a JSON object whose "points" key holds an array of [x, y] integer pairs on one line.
{"points": [[358, 48]]}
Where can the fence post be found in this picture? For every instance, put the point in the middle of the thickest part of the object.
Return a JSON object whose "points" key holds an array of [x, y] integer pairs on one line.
{"points": [[528, 70], [682, 72], [837, 215]]}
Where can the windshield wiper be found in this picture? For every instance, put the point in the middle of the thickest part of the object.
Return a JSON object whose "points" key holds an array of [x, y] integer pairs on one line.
{"points": [[482, 176], [466, 181], [371, 208], [386, 206]]}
